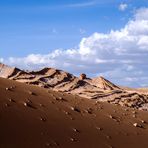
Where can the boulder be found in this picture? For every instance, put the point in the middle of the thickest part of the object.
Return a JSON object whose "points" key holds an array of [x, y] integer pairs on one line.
{"points": [[82, 76]]}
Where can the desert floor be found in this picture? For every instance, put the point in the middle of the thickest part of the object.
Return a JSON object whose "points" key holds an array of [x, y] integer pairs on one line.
{"points": [[34, 117]]}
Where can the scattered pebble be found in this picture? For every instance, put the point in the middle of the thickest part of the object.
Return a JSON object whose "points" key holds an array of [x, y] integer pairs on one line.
{"points": [[7, 88], [7, 105], [52, 102], [75, 109], [11, 100], [98, 102], [73, 139], [67, 113], [137, 125], [29, 101], [143, 121], [108, 137], [99, 128], [41, 105], [56, 143], [112, 117], [89, 110], [25, 104], [62, 99], [48, 144], [134, 112], [28, 104], [31, 93], [76, 130], [52, 144], [71, 118], [115, 111], [42, 119], [12, 87], [100, 107]]}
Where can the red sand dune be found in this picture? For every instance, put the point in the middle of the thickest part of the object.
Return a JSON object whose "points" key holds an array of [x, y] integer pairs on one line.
{"points": [[34, 117]]}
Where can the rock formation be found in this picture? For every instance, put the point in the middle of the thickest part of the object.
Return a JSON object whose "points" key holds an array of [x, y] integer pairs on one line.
{"points": [[82, 76], [97, 88]]}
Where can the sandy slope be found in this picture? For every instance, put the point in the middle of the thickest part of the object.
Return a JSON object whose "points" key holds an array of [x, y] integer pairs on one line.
{"points": [[33, 117]]}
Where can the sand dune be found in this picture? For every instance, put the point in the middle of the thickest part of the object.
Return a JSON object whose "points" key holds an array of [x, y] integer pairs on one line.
{"points": [[34, 117]]}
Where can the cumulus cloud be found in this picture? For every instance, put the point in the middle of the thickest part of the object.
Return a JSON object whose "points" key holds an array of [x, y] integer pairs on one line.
{"points": [[123, 7], [120, 55]]}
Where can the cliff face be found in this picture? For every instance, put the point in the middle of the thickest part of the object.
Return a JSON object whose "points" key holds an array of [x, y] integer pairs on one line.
{"points": [[96, 88], [6, 71], [10, 72]]}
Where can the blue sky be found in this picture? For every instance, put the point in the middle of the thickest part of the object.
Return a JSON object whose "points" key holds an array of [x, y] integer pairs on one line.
{"points": [[36, 28]]}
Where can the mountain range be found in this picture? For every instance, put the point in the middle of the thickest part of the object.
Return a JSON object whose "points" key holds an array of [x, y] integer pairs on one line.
{"points": [[97, 88]]}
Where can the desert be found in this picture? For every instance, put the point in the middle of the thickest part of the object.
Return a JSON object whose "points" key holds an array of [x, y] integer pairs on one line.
{"points": [[74, 73], [34, 116]]}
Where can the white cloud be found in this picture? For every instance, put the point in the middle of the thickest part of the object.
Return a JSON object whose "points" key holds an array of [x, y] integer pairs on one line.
{"points": [[86, 4], [1, 60], [123, 7], [120, 55]]}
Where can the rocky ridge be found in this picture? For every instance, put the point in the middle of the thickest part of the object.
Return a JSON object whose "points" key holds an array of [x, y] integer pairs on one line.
{"points": [[96, 88]]}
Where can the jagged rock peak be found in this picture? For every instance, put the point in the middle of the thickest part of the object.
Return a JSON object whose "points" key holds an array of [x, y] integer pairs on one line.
{"points": [[103, 83], [7, 71], [82, 76]]}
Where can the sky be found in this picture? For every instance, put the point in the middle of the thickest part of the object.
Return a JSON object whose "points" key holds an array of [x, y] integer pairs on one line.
{"points": [[107, 38]]}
